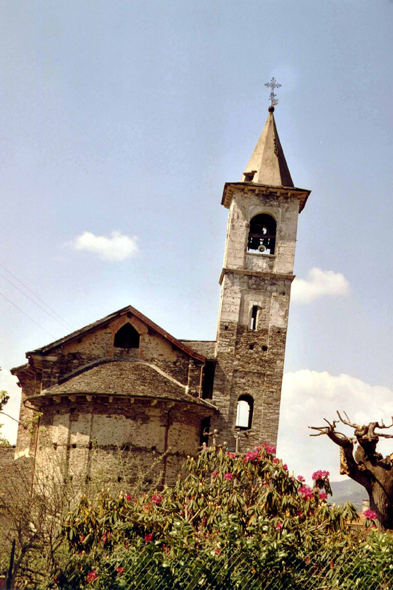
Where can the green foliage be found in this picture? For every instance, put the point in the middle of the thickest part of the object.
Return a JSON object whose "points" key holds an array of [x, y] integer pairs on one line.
{"points": [[228, 505], [4, 397]]}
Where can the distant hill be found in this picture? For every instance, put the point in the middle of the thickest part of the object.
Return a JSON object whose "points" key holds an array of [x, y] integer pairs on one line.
{"points": [[348, 490]]}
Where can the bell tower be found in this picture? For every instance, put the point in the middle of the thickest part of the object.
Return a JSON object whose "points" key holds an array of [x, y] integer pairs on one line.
{"points": [[255, 291]]}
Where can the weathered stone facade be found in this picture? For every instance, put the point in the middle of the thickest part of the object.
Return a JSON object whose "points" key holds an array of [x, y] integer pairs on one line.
{"points": [[125, 385], [252, 360]]}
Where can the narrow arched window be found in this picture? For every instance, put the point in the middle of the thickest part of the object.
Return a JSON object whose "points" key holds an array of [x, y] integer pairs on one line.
{"points": [[262, 236], [244, 411], [127, 337], [254, 318]]}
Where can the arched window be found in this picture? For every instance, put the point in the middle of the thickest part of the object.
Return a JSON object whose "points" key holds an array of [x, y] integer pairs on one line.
{"points": [[127, 337], [245, 407], [254, 318], [262, 236]]}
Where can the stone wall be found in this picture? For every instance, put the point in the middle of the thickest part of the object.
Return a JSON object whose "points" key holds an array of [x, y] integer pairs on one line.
{"points": [[250, 359], [114, 440], [86, 433]]}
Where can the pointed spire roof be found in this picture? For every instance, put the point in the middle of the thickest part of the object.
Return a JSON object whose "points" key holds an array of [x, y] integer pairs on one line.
{"points": [[267, 164]]}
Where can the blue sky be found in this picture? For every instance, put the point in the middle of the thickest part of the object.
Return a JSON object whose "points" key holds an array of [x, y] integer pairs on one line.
{"points": [[129, 117]]}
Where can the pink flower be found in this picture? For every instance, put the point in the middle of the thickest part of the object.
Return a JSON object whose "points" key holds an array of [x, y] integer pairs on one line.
{"points": [[128, 497], [370, 514], [91, 576], [215, 473], [279, 526], [301, 478], [320, 475], [323, 495], [306, 493], [228, 476], [231, 455], [156, 499], [251, 455], [120, 570], [149, 537], [104, 537], [276, 461], [285, 466], [271, 449]]}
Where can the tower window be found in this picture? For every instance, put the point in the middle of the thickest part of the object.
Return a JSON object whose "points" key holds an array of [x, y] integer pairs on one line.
{"points": [[254, 317], [262, 236], [127, 337], [244, 411]]}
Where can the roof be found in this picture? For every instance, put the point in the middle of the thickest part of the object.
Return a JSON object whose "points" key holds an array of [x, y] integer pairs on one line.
{"points": [[129, 309], [121, 378], [267, 164], [205, 347]]}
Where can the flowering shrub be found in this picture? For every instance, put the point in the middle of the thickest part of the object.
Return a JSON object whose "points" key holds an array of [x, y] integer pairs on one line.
{"points": [[249, 503], [370, 514]]}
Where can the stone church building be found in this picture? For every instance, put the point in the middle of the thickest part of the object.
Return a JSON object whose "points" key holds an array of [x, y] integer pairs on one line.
{"points": [[124, 383]]}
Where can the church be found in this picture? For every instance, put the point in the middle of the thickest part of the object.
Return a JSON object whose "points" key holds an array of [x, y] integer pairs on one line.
{"points": [[124, 383]]}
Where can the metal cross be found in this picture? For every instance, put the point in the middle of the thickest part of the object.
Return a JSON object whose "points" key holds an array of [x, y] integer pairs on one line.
{"points": [[238, 434], [273, 97], [214, 434]]}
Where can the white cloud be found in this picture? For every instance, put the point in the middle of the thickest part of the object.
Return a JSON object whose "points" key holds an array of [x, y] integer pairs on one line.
{"points": [[115, 248], [318, 283], [10, 427], [310, 396]]}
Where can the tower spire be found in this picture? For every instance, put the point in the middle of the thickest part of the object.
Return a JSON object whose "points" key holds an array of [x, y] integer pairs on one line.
{"points": [[267, 164]]}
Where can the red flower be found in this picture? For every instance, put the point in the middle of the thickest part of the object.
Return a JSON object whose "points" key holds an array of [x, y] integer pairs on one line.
{"points": [[215, 473], [156, 499], [307, 559], [91, 576], [285, 466], [276, 461], [320, 475], [82, 538], [128, 498], [279, 526], [370, 514], [217, 550], [323, 495], [251, 455], [306, 493], [149, 537], [228, 476], [120, 570]]}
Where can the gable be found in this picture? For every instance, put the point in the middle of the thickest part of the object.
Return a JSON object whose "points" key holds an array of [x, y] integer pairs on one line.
{"points": [[100, 336]]}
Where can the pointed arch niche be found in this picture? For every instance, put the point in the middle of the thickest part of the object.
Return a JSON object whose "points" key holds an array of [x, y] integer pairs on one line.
{"points": [[262, 235], [244, 411], [127, 337]]}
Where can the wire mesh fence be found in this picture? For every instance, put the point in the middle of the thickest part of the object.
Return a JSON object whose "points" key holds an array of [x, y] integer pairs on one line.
{"points": [[232, 570]]}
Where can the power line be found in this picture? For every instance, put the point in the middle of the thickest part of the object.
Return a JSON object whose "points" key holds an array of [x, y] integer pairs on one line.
{"points": [[24, 313], [36, 296], [35, 302]]}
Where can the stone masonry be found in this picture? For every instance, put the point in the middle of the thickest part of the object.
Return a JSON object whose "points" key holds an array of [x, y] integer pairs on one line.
{"points": [[124, 387]]}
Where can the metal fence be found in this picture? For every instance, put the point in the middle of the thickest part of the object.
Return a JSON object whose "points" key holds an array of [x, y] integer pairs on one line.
{"points": [[232, 571]]}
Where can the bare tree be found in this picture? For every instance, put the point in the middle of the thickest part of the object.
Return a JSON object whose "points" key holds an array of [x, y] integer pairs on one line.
{"points": [[361, 461]]}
